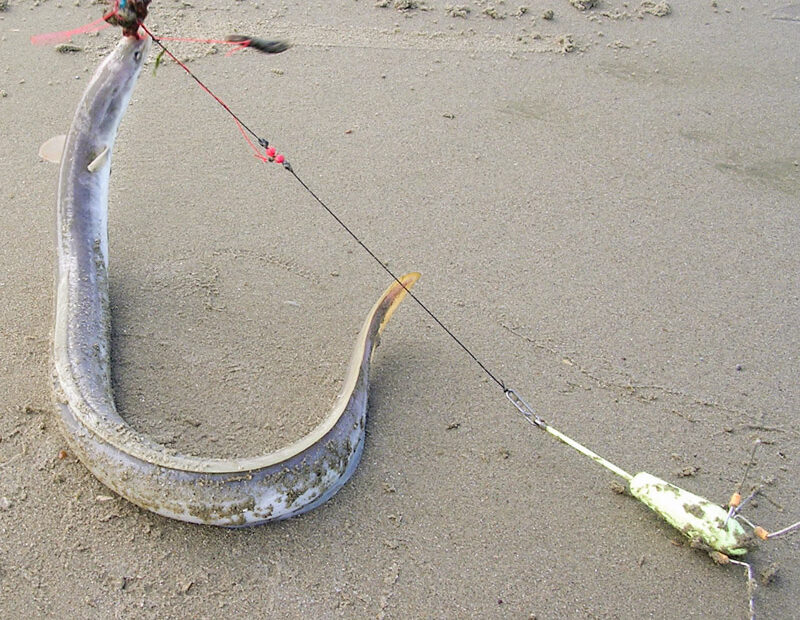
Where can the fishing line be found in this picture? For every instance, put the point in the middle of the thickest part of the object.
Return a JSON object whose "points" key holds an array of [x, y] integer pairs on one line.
{"points": [[271, 155]]}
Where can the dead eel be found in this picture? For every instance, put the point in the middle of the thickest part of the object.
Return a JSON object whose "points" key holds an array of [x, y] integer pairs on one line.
{"points": [[226, 492]]}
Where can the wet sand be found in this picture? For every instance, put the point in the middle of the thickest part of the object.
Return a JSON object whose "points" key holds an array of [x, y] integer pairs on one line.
{"points": [[603, 205]]}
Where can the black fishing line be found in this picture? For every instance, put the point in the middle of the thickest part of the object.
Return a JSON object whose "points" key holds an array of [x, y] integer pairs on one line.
{"points": [[272, 156], [396, 279]]}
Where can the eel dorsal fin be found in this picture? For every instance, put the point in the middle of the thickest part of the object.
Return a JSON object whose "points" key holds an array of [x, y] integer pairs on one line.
{"points": [[52, 149]]}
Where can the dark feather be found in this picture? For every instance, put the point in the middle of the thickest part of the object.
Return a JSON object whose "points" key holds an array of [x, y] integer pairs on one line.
{"points": [[262, 45]]}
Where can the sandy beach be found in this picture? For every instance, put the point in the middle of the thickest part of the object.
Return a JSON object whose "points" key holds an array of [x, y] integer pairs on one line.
{"points": [[603, 204]]}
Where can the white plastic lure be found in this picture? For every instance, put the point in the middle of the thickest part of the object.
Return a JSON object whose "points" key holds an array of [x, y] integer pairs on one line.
{"points": [[226, 492]]}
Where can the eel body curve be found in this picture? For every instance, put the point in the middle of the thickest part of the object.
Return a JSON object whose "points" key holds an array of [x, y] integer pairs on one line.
{"points": [[225, 492]]}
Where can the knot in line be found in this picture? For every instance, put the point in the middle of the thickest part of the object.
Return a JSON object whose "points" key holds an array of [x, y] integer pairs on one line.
{"points": [[129, 14]]}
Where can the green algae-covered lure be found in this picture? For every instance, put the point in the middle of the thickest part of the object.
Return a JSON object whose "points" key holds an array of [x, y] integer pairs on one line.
{"points": [[699, 519]]}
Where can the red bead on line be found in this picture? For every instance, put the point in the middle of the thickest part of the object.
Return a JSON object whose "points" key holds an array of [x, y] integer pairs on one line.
{"points": [[271, 151], [279, 159]]}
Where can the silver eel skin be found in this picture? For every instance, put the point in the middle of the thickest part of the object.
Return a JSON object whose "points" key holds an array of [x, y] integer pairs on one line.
{"points": [[226, 492]]}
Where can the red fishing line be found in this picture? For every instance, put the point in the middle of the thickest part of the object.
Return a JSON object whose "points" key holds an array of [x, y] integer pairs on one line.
{"points": [[237, 45], [50, 38], [244, 129]]}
